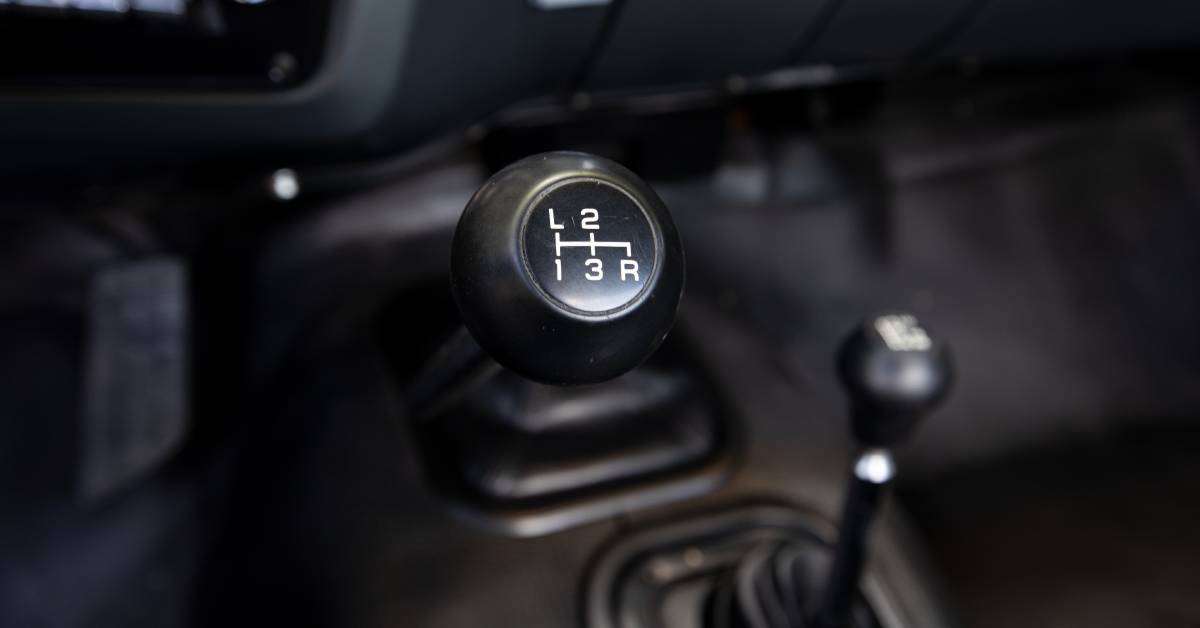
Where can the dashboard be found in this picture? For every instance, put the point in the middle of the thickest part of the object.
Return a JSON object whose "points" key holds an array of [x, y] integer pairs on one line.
{"points": [[208, 78]]}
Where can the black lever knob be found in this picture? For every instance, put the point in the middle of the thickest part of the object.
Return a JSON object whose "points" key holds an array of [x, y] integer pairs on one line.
{"points": [[567, 269], [895, 372]]}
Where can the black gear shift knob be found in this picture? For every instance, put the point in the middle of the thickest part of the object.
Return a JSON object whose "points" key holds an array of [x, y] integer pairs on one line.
{"points": [[895, 372], [567, 269]]}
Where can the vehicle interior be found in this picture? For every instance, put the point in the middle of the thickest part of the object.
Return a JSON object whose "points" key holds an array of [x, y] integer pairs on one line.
{"points": [[599, 313]]}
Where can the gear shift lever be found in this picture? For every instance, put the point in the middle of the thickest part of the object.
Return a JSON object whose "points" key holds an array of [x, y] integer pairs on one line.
{"points": [[566, 268], [895, 372]]}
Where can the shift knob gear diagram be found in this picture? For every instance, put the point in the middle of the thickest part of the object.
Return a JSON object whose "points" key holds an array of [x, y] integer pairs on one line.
{"points": [[589, 246]]}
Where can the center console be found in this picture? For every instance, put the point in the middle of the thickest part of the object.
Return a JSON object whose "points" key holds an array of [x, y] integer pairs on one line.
{"points": [[557, 431]]}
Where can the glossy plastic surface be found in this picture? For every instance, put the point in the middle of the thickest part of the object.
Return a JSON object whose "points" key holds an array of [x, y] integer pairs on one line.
{"points": [[895, 372], [577, 296]]}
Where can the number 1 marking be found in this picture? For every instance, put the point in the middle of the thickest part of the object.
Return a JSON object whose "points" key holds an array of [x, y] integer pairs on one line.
{"points": [[558, 268]]}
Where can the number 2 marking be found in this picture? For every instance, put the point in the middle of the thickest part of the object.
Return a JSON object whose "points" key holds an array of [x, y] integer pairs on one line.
{"points": [[590, 218], [597, 271]]}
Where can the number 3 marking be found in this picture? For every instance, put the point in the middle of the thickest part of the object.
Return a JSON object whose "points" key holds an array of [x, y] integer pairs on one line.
{"points": [[590, 220], [597, 272]]}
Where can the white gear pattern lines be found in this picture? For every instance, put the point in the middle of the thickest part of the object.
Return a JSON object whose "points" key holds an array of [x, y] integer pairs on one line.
{"points": [[590, 220], [590, 246]]}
